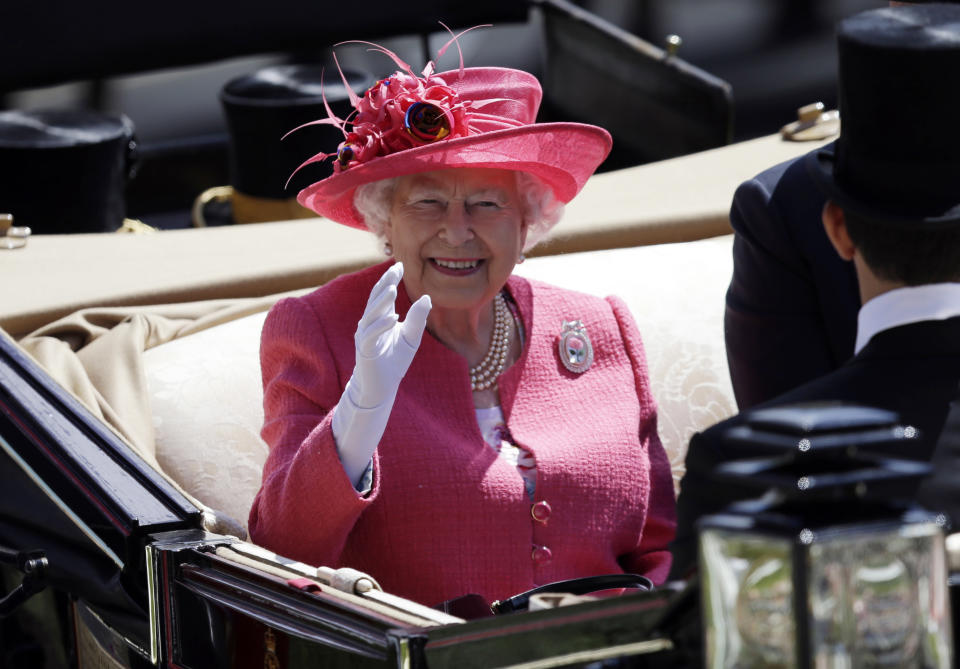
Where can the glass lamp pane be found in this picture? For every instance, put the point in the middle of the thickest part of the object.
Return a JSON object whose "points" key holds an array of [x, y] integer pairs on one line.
{"points": [[878, 598], [747, 600]]}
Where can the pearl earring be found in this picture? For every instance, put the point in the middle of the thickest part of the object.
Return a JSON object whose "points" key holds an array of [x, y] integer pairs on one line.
{"points": [[521, 259], [387, 249]]}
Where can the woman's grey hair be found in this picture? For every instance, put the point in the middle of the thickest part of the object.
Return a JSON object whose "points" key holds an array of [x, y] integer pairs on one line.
{"points": [[541, 210], [372, 200]]}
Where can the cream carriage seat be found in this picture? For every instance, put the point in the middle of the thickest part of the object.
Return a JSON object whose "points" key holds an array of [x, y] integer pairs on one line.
{"points": [[205, 389]]}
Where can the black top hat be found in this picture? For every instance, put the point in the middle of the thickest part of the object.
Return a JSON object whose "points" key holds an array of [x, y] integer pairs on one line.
{"points": [[265, 105], [897, 160], [65, 171]]}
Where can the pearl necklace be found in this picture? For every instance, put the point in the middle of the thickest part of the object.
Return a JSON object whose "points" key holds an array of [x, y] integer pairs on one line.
{"points": [[485, 374]]}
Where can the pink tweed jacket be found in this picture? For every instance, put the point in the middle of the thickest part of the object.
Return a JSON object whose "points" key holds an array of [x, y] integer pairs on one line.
{"points": [[447, 516]]}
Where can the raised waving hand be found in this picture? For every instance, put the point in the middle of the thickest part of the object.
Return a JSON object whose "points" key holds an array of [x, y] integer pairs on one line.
{"points": [[385, 347]]}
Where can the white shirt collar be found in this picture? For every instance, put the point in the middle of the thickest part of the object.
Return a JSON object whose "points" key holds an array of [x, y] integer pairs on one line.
{"points": [[911, 304]]}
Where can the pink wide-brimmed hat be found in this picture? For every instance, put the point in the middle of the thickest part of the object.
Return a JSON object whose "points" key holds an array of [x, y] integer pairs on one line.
{"points": [[472, 117]]}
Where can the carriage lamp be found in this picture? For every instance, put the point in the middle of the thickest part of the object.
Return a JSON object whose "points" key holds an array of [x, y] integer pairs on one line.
{"points": [[833, 567]]}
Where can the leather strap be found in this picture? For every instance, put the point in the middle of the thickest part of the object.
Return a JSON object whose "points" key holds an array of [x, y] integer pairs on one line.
{"points": [[574, 586]]}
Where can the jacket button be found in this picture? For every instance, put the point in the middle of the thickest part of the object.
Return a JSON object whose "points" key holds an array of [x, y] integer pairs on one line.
{"points": [[541, 554], [540, 511]]}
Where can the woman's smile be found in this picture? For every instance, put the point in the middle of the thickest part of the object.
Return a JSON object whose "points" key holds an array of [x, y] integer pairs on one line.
{"points": [[456, 266]]}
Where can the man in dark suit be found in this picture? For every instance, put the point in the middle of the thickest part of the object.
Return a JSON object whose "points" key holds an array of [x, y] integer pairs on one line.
{"points": [[893, 211], [791, 309], [791, 312]]}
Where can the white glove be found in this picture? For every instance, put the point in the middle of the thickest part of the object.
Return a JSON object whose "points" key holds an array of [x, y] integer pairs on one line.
{"points": [[385, 349]]}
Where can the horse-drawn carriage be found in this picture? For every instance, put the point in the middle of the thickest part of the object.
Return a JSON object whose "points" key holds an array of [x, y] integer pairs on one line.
{"points": [[130, 404]]}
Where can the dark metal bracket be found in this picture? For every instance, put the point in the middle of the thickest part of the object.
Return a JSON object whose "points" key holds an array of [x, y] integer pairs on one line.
{"points": [[33, 564]]}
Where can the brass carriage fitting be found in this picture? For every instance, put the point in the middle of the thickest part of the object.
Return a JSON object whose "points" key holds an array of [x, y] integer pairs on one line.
{"points": [[12, 236], [813, 122]]}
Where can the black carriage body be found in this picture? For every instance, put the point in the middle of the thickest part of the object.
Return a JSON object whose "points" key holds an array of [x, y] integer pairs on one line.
{"points": [[259, 618], [75, 491]]}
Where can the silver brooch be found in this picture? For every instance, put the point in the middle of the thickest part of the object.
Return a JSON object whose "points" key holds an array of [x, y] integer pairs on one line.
{"points": [[575, 350]]}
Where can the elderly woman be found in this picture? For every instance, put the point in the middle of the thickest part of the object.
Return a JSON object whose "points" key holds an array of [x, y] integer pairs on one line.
{"points": [[434, 420]]}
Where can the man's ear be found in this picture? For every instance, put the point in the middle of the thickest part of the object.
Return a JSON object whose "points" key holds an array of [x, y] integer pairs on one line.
{"points": [[835, 225]]}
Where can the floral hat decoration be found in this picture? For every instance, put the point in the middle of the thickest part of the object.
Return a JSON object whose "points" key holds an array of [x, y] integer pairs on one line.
{"points": [[471, 117]]}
